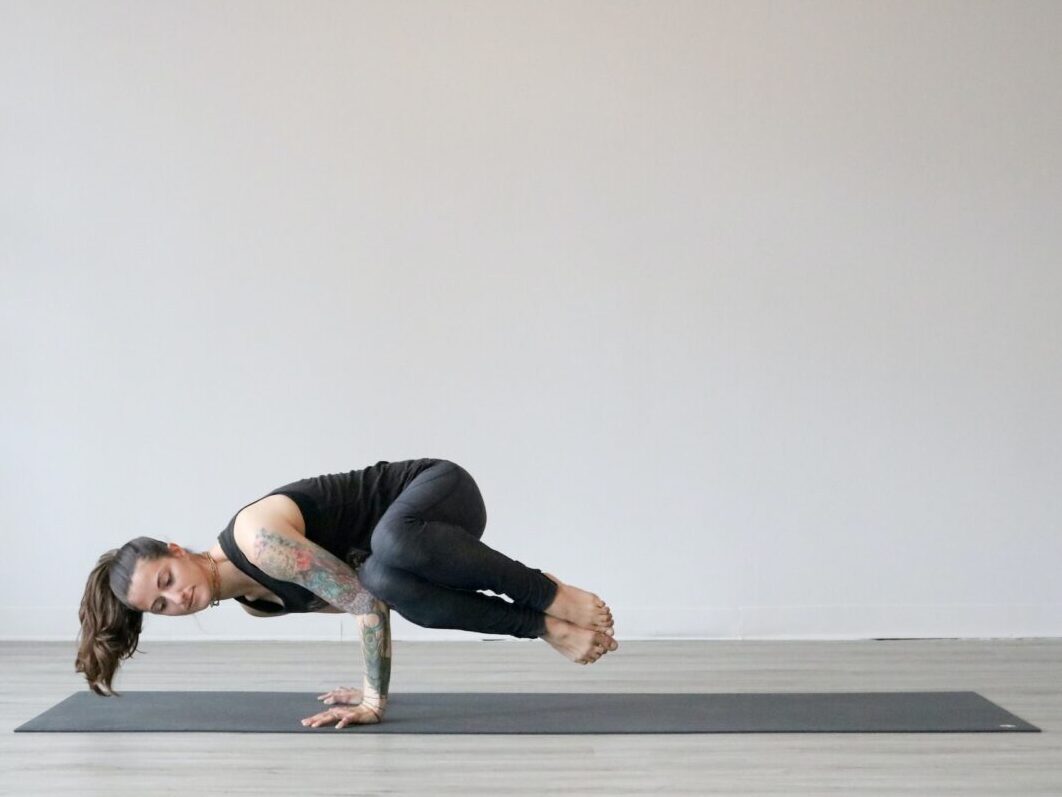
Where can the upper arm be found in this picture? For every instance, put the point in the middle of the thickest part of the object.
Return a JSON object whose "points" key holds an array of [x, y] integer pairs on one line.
{"points": [[279, 550]]}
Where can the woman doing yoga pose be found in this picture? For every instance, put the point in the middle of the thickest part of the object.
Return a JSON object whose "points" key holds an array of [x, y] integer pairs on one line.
{"points": [[403, 535]]}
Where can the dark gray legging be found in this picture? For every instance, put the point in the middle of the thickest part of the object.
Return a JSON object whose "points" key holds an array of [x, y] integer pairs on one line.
{"points": [[427, 561]]}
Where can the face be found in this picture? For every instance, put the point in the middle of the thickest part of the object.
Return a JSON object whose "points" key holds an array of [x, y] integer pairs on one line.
{"points": [[174, 584]]}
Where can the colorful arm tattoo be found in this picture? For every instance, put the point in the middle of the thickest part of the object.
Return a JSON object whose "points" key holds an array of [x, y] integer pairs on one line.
{"points": [[291, 557]]}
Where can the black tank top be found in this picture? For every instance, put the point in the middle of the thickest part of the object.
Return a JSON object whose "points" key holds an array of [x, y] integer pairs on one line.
{"points": [[340, 511]]}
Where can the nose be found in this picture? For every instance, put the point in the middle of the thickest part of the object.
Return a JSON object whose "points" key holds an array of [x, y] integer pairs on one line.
{"points": [[184, 597]]}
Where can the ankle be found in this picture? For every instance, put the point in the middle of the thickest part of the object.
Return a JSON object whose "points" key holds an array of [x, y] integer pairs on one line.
{"points": [[551, 601]]}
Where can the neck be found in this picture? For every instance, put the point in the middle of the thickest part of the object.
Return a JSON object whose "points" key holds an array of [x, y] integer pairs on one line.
{"points": [[233, 580]]}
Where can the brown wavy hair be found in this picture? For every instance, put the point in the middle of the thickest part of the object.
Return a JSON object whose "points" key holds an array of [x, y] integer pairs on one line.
{"points": [[110, 627]]}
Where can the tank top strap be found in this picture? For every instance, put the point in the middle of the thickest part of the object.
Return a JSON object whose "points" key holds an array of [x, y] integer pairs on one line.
{"points": [[295, 598]]}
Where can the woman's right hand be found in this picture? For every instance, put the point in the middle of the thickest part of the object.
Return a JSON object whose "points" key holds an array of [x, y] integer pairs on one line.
{"points": [[343, 696]]}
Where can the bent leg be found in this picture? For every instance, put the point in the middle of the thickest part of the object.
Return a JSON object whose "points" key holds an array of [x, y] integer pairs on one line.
{"points": [[433, 530], [434, 606]]}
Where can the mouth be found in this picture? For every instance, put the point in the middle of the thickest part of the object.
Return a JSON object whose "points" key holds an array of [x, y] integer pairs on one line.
{"points": [[191, 598]]}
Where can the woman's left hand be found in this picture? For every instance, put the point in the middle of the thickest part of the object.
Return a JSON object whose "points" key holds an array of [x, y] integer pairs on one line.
{"points": [[360, 714]]}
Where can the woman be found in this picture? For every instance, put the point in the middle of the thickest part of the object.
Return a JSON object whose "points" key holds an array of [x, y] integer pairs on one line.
{"points": [[397, 534]]}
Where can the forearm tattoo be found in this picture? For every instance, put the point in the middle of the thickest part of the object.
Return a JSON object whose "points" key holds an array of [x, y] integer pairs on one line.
{"points": [[311, 566], [376, 648]]}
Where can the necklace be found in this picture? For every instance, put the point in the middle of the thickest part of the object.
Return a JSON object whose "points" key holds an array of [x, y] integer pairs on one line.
{"points": [[215, 577]]}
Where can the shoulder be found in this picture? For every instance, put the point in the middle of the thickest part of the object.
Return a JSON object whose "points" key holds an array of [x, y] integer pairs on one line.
{"points": [[262, 530], [277, 507]]}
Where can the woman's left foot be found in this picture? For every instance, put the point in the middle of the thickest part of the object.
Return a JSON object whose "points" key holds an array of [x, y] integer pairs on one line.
{"points": [[580, 607]]}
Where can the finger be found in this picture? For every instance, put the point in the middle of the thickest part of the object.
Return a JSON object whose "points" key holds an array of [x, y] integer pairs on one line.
{"points": [[340, 696]]}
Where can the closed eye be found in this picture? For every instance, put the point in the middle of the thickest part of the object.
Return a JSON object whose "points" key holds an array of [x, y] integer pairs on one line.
{"points": [[162, 606]]}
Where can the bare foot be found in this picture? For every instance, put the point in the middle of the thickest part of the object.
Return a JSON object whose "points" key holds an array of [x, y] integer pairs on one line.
{"points": [[581, 645], [580, 607]]}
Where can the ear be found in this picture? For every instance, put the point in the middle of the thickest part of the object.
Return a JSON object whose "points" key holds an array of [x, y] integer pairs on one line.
{"points": [[175, 549]]}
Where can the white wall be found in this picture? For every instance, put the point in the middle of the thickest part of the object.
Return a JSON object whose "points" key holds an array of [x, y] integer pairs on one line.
{"points": [[743, 315]]}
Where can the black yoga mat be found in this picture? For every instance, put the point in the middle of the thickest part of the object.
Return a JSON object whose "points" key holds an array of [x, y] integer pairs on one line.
{"points": [[551, 712]]}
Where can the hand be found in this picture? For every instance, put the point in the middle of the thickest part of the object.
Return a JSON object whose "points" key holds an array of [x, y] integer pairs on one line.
{"points": [[344, 696], [345, 715]]}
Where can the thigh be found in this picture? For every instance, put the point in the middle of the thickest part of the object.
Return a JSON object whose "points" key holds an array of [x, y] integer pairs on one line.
{"points": [[446, 493]]}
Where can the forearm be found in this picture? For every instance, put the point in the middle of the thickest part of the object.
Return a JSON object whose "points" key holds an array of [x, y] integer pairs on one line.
{"points": [[301, 562], [376, 650]]}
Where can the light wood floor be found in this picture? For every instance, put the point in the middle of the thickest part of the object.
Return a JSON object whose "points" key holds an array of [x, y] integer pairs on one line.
{"points": [[1023, 676]]}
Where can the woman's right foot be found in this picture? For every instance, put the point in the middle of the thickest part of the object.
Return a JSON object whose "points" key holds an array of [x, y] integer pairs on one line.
{"points": [[581, 645], [580, 607]]}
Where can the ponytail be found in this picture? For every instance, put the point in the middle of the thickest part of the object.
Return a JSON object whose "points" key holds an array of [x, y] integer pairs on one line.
{"points": [[110, 627]]}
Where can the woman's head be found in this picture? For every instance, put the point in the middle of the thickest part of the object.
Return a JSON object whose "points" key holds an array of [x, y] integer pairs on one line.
{"points": [[145, 574]]}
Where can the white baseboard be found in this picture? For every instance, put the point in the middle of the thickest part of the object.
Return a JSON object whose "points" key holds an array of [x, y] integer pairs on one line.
{"points": [[229, 622]]}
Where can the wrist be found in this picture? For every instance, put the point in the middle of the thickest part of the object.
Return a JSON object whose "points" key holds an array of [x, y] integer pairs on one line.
{"points": [[372, 697], [377, 707]]}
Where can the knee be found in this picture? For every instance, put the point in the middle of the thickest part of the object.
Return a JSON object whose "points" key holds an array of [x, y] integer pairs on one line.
{"points": [[393, 587], [479, 521], [403, 592], [475, 510], [394, 544], [373, 575]]}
